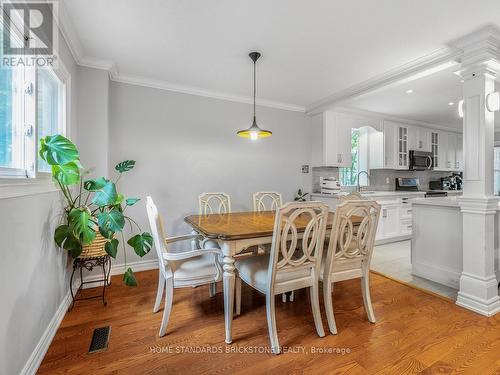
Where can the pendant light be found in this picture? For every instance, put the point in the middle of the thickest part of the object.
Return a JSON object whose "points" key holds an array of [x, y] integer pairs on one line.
{"points": [[254, 132]]}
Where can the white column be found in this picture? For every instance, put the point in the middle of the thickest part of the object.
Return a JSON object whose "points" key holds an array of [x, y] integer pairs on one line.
{"points": [[478, 284]]}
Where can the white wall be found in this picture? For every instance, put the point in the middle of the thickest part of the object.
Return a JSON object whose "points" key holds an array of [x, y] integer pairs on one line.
{"points": [[185, 145], [93, 95], [34, 274]]}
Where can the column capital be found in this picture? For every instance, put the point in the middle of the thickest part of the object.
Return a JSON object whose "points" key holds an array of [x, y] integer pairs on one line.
{"points": [[480, 52]]}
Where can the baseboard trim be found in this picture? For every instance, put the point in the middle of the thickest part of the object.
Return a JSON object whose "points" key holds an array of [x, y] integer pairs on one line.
{"points": [[36, 357], [437, 274], [117, 269]]}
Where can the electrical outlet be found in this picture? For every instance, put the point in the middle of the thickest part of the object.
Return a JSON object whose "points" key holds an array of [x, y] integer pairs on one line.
{"points": [[305, 169]]}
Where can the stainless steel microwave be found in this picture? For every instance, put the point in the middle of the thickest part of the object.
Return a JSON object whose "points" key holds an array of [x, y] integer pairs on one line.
{"points": [[421, 160]]}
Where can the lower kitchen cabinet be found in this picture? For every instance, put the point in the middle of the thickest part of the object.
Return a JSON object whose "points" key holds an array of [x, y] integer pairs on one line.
{"points": [[395, 223]]}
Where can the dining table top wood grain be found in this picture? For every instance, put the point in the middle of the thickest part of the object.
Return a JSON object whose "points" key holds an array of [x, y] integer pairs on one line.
{"points": [[245, 225]]}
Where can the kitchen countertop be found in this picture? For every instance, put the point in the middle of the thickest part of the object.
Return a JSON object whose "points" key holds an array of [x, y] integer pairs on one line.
{"points": [[379, 193]]}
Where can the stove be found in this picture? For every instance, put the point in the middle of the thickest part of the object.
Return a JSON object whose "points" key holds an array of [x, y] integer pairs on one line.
{"points": [[413, 184]]}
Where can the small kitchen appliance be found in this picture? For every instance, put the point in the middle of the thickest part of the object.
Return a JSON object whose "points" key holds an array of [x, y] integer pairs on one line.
{"points": [[413, 184], [329, 185]]}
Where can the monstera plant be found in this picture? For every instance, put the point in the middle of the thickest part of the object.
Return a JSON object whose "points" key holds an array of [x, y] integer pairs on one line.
{"points": [[91, 205]]}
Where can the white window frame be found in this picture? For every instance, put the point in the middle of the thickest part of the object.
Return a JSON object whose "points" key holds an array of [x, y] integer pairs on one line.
{"points": [[27, 181]]}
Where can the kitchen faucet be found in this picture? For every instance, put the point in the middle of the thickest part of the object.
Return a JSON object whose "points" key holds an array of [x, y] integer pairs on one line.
{"points": [[358, 187]]}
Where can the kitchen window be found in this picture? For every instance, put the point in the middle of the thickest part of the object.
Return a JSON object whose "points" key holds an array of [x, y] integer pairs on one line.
{"points": [[348, 176], [32, 106]]}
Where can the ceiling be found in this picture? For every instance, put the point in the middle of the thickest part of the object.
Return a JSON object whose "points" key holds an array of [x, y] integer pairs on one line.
{"points": [[310, 49]]}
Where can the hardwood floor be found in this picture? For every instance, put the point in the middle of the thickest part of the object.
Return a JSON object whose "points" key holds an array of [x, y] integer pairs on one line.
{"points": [[415, 333]]}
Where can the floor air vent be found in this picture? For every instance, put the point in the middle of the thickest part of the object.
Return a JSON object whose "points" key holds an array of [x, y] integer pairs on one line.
{"points": [[100, 339]]}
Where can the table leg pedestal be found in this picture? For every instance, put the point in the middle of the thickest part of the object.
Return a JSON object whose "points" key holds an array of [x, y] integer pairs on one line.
{"points": [[229, 281]]}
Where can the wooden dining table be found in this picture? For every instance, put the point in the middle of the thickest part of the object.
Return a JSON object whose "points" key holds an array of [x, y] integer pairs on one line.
{"points": [[236, 232]]}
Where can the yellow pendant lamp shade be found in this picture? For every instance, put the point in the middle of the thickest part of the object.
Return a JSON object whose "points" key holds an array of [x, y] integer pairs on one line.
{"points": [[254, 132]]}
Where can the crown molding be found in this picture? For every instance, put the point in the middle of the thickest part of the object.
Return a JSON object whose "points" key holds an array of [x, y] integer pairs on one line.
{"points": [[434, 62], [382, 116], [168, 86]]}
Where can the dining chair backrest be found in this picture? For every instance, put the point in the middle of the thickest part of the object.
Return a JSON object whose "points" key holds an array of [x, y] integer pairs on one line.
{"points": [[351, 244], [290, 252], [214, 203], [266, 201], [156, 226], [354, 196]]}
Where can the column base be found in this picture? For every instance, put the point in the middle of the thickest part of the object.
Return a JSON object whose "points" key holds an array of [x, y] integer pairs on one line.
{"points": [[472, 295]]}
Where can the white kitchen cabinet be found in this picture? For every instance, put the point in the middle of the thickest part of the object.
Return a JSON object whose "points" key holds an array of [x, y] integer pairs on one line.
{"points": [[389, 220], [331, 140], [402, 146], [423, 139], [454, 152]]}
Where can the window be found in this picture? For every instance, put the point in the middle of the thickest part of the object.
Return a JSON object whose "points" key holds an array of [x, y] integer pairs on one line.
{"points": [[348, 176], [32, 106]]}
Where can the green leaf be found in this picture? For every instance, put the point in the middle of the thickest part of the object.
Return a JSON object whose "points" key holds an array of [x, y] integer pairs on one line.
{"points": [[111, 247], [142, 243], [61, 234], [105, 195], [82, 225], [125, 166], [67, 174], [58, 150], [95, 184], [129, 278], [132, 201], [76, 250], [111, 221], [106, 233], [119, 199]]}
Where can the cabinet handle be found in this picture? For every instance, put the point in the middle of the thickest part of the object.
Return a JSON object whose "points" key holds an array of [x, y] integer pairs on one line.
{"points": [[384, 213], [420, 144], [409, 211], [409, 227], [339, 158]]}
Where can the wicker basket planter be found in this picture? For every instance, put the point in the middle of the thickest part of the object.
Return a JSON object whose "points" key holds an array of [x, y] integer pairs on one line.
{"points": [[95, 249]]}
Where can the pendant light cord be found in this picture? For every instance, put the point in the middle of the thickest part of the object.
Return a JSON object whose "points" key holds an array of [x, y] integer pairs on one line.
{"points": [[254, 89]]}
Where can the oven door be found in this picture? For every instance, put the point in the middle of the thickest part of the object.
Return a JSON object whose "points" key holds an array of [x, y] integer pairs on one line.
{"points": [[420, 161]]}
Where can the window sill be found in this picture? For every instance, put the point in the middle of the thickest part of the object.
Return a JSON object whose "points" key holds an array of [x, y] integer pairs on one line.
{"points": [[12, 188]]}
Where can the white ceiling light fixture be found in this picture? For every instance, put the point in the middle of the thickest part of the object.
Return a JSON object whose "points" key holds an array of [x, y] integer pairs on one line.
{"points": [[461, 108], [493, 101], [409, 91]]}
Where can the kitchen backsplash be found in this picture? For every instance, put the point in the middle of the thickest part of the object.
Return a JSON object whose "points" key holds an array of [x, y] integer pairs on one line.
{"points": [[378, 177]]}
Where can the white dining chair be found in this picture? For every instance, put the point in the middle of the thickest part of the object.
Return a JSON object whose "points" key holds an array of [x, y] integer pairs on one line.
{"points": [[211, 203], [214, 203], [350, 251], [266, 201], [180, 269], [288, 266]]}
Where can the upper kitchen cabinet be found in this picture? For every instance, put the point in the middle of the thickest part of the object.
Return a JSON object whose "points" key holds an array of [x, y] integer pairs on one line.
{"points": [[389, 149], [419, 138], [454, 154], [331, 140]]}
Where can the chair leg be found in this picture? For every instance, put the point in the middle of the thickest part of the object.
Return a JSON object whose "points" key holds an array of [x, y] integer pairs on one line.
{"points": [[169, 285], [327, 297], [271, 323], [292, 293], [212, 289], [159, 293], [283, 297], [237, 291], [316, 310], [365, 288]]}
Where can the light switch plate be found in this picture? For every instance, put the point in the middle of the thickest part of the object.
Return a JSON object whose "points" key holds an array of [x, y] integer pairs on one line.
{"points": [[305, 169]]}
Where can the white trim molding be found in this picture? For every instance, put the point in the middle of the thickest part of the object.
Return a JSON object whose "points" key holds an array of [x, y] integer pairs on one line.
{"points": [[418, 68], [174, 87]]}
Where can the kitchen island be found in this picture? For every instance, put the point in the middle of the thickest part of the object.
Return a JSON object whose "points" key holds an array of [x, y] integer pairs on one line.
{"points": [[436, 245]]}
